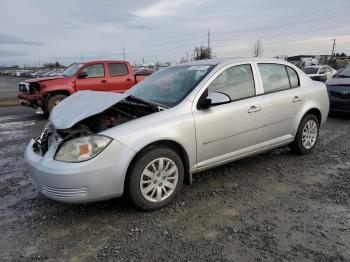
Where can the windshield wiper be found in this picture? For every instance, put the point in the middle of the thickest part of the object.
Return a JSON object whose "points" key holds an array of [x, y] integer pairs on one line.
{"points": [[343, 76], [148, 102]]}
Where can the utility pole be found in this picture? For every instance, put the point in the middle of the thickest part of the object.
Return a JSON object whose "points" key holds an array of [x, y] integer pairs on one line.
{"points": [[333, 48], [208, 43], [124, 52]]}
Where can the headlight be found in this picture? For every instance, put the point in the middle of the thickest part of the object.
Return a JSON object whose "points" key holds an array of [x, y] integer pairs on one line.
{"points": [[82, 148]]}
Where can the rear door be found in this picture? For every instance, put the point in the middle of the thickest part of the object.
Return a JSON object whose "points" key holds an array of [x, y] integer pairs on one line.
{"points": [[283, 99], [95, 79], [120, 79], [227, 130]]}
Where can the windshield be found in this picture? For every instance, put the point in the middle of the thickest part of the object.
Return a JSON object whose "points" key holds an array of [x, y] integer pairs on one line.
{"points": [[345, 72], [171, 85], [310, 70], [72, 69]]}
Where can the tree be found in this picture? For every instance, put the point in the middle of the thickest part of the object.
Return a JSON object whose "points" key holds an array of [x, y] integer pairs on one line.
{"points": [[258, 48], [202, 52]]}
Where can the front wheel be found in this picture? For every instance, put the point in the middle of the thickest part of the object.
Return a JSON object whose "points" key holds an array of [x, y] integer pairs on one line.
{"points": [[155, 178], [307, 135], [53, 101]]}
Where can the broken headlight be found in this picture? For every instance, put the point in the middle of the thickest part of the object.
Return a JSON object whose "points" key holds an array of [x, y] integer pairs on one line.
{"points": [[82, 148]]}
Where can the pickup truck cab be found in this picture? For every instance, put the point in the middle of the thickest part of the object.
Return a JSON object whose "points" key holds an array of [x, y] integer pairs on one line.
{"points": [[44, 94]]}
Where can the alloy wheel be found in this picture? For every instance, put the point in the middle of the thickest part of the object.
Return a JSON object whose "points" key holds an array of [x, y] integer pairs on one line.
{"points": [[159, 179]]}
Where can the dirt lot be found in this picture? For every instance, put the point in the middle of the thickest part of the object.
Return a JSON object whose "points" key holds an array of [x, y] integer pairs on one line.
{"points": [[273, 207], [8, 90]]}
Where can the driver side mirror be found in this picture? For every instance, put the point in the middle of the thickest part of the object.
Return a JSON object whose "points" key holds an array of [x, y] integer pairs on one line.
{"points": [[82, 75], [209, 99]]}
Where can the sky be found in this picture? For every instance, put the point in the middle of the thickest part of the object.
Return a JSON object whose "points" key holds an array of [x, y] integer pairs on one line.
{"points": [[40, 31]]}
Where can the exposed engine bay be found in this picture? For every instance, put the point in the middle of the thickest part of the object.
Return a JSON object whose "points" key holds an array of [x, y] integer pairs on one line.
{"points": [[124, 111]]}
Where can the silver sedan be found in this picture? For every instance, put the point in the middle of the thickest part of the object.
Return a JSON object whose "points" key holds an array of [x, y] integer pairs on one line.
{"points": [[179, 121]]}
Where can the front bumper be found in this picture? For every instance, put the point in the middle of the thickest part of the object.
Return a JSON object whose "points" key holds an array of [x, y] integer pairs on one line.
{"points": [[97, 179], [339, 105], [31, 100]]}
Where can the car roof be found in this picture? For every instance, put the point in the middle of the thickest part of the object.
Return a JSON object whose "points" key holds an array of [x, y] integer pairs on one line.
{"points": [[316, 66], [217, 61]]}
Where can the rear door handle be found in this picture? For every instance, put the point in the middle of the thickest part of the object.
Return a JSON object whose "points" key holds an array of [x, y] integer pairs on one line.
{"points": [[296, 99], [128, 79], [254, 109]]}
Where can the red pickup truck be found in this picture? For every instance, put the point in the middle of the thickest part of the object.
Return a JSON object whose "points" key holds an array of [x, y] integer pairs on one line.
{"points": [[44, 93]]}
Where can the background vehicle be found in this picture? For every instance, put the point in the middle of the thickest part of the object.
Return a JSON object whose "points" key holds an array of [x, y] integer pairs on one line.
{"points": [[339, 91], [320, 73], [45, 93], [181, 120]]}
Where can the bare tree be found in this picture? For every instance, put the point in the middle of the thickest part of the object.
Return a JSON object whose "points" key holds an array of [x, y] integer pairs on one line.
{"points": [[258, 48], [200, 53]]}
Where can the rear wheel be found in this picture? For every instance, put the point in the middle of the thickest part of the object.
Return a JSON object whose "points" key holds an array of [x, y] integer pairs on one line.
{"points": [[53, 101], [155, 178], [307, 135]]}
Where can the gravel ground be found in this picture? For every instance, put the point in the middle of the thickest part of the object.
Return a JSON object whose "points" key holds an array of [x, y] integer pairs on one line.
{"points": [[272, 207], [9, 89]]}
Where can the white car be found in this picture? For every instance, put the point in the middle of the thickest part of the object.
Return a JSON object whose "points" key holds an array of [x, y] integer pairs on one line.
{"points": [[180, 120], [320, 73]]}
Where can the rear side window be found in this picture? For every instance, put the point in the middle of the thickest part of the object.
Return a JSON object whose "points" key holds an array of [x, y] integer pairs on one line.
{"points": [[117, 69], [293, 77], [278, 77]]}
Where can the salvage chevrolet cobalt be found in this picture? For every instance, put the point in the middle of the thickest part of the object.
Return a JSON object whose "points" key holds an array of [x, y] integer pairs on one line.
{"points": [[179, 121]]}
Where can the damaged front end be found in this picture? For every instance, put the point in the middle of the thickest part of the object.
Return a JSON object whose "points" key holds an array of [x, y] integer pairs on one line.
{"points": [[77, 134]]}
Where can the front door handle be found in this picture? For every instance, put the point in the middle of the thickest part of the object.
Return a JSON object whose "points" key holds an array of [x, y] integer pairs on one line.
{"points": [[103, 81], [296, 99], [254, 109]]}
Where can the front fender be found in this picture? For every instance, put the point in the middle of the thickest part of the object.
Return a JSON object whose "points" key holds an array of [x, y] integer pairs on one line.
{"points": [[166, 125], [67, 88]]}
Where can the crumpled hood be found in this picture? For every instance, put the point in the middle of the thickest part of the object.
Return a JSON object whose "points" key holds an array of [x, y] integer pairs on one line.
{"points": [[81, 105], [41, 79], [338, 81]]}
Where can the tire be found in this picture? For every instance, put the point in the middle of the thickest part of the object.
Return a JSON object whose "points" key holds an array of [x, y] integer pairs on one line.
{"points": [[298, 146], [53, 100], [144, 183]]}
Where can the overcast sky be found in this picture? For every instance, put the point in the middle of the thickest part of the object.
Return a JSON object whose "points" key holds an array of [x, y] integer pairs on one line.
{"points": [[166, 30]]}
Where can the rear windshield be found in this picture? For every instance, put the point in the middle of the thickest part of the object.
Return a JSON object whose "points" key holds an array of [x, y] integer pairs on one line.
{"points": [[310, 70]]}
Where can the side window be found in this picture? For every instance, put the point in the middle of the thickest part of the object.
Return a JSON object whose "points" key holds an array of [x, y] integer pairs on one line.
{"points": [[237, 82], [293, 77], [96, 70], [322, 70], [116, 69], [328, 70], [274, 77]]}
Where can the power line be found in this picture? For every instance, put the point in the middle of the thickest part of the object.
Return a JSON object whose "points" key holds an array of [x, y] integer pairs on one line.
{"points": [[194, 35]]}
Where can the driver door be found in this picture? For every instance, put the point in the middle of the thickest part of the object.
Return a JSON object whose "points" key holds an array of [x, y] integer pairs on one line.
{"points": [[233, 129], [95, 79]]}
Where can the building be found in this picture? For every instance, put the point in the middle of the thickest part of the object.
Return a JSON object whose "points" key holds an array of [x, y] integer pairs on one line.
{"points": [[303, 60]]}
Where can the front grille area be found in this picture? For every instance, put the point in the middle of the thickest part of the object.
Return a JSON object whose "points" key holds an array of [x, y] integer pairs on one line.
{"points": [[64, 192], [24, 87], [341, 95], [336, 105]]}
